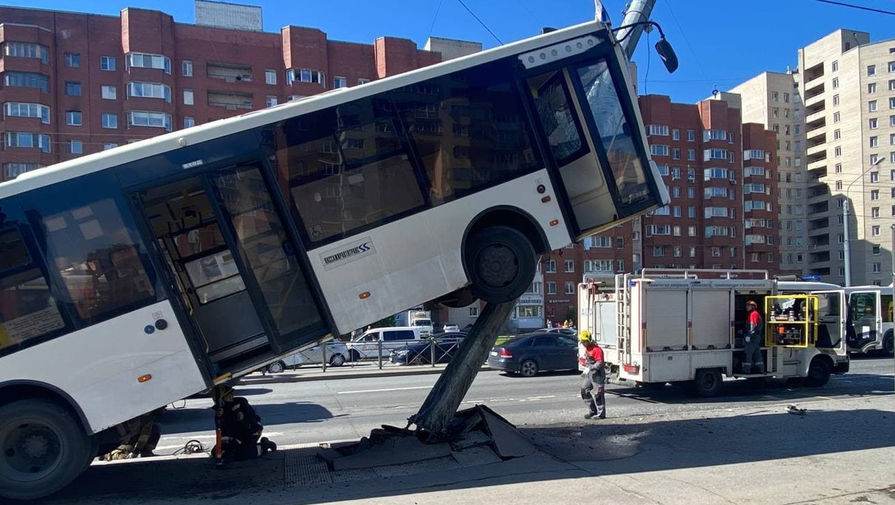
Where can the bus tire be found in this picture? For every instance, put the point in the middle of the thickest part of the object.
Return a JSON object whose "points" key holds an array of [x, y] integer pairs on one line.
{"points": [[708, 382], [818, 373], [42, 448], [888, 344], [501, 264]]}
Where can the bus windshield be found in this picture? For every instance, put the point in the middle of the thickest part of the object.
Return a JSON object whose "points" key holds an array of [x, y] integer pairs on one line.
{"points": [[615, 133]]}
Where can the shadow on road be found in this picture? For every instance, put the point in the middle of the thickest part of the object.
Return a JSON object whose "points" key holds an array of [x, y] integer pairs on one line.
{"points": [[610, 447], [199, 419]]}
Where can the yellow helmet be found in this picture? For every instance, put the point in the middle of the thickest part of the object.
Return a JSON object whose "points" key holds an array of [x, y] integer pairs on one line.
{"points": [[584, 336]]}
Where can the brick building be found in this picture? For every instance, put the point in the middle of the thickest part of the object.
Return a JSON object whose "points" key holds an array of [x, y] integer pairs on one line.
{"points": [[77, 83]]}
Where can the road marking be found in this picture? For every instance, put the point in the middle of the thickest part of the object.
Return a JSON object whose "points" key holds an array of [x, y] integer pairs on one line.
{"points": [[381, 390]]}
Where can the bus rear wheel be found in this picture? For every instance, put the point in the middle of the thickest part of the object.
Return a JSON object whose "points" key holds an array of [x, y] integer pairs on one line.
{"points": [[501, 264], [42, 448]]}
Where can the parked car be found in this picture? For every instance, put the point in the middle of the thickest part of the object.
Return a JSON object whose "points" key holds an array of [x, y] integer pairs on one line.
{"points": [[420, 353], [537, 352], [450, 328], [572, 332], [336, 355], [367, 344]]}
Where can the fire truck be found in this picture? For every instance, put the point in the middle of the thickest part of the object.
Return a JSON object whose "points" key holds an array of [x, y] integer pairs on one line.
{"points": [[687, 326]]}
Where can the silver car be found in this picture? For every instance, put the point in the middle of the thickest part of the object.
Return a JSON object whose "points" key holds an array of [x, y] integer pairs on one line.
{"points": [[336, 355]]}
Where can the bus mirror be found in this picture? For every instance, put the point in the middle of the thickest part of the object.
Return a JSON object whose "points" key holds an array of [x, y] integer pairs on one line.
{"points": [[666, 52]]}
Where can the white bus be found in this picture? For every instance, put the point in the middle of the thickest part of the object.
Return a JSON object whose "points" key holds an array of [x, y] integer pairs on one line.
{"points": [[141, 275]]}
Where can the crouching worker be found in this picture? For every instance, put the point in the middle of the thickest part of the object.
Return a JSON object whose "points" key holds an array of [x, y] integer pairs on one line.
{"points": [[593, 386], [241, 429]]}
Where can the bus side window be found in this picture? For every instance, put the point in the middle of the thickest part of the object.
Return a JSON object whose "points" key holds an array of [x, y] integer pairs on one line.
{"points": [[97, 259], [349, 173], [28, 310], [468, 129], [886, 304]]}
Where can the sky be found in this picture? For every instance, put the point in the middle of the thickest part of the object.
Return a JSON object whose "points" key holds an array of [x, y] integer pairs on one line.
{"points": [[719, 43]]}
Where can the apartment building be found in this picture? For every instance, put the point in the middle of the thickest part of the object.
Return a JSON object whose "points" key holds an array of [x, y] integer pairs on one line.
{"points": [[773, 100], [847, 85], [75, 83]]}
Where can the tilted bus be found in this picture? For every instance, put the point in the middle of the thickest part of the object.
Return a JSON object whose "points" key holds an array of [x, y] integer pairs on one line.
{"points": [[138, 276]]}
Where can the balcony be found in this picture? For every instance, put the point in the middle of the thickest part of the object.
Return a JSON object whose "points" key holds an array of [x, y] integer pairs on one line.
{"points": [[817, 165], [814, 125], [230, 100], [815, 101], [812, 118], [816, 153], [229, 72]]}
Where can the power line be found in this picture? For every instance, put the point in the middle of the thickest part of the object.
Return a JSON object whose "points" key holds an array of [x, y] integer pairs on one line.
{"points": [[480, 22], [859, 7]]}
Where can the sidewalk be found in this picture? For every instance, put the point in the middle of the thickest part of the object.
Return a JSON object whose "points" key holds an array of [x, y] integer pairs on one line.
{"points": [[839, 452]]}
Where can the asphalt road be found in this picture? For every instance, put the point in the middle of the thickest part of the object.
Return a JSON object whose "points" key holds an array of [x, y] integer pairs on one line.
{"points": [[347, 409]]}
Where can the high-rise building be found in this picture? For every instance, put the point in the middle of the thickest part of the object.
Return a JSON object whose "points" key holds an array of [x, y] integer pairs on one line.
{"points": [[74, 84], [847, 85], [772, 100]]}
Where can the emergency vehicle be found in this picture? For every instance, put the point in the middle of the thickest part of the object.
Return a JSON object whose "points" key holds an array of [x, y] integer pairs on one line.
{"points": [[687, 326]]}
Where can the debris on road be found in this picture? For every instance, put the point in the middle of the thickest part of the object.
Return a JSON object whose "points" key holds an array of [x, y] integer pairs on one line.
{"points": [[792, 409]]}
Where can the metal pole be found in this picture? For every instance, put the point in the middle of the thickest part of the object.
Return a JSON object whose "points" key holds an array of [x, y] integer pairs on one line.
{"points": [[324, 356], [638, 10], [845, 242], [893, 258]]}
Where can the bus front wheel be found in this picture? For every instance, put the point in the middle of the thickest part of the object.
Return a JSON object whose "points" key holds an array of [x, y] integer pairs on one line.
{"points": [[501, 264], [42, 448]]}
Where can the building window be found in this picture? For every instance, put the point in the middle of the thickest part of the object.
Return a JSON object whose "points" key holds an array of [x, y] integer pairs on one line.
{"points": [[871, 70], [362, 80], [110, 145], [873, 123], [270, 76], [270, 101], [551, 267], [188, 97], [871, 88], [110, 120], [305, 75], [551, 288], [149, 119], [188, 122], [569, 266], [675, 134], [570, 288], [340, 82], [72, 60], [13, 170], [148, 60], [874, 176], [835, 86], [871, 106], [874, 212], [21, 109], [109, 92], [835, 65], [26, 80], [107, 63], [874, 194], [874, 141], [675, 154], [28, 140], [73, 118], [691, 135], [27, 50], [72, 88], [658, 150], [149, 90], [75, 147], [186, 68], [658, 251], [874, 230], [658, 129]]}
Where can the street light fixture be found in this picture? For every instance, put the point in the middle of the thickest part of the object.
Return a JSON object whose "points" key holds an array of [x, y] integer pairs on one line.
{"points": [[846, 242]]}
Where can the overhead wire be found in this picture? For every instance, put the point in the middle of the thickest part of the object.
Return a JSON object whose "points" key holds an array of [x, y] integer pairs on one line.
{"points": [[480, 22], [859, 7]]}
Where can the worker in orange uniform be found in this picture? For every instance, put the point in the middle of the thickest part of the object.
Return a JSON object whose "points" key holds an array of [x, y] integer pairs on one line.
{"points": [[752, 340], [593, 386]]}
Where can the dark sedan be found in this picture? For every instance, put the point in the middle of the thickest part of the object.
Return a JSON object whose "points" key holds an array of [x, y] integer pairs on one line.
{"points": [[527, 355], [444, 346]]}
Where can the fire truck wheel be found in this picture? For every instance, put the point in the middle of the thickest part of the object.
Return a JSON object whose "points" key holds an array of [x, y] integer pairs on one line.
{"points": [[818, 373], [708, 382]]}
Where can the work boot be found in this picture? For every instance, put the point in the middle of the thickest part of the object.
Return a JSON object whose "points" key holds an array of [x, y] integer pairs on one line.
{"points": [[588, 416], [267, 445]]}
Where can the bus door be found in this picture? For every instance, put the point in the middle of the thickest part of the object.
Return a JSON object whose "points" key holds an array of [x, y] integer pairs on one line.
{"points": [[831, 318], [228, 255], [591, 127], [865, 316]]}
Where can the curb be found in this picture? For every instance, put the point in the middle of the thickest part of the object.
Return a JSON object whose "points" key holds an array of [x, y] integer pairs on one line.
{"points": [[363, 374]]}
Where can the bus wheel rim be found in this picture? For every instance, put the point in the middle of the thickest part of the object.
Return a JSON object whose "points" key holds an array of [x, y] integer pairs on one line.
{"points": [[30, 450]]}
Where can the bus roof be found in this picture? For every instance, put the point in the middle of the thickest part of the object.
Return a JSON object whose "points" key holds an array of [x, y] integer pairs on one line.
{"points": [[163, 143]]}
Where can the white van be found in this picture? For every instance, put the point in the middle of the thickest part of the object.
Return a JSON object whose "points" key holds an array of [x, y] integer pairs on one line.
{"points": [[366, 345]]}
